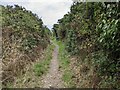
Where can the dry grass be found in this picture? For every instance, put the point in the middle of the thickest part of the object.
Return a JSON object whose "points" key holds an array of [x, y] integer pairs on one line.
{"points": [[84, 74], [29, 79], [14, 60]]}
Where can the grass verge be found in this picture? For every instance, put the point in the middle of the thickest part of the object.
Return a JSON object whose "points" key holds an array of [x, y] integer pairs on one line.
{"points": [[42, 67], [65, 66]]}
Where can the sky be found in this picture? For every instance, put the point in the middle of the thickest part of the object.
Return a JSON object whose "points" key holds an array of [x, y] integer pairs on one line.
{"points": [[49, 10]]}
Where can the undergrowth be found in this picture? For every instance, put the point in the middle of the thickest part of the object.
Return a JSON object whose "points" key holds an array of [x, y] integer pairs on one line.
{"points": [[34, 71]]}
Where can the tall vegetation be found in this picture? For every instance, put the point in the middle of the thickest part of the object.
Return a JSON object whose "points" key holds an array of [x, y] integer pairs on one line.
{"points": [[24, 37], [93, 29]]}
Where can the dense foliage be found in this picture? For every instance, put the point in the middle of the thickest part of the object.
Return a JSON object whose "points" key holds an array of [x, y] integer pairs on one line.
{"points": [[24, 37], [93, 29]]}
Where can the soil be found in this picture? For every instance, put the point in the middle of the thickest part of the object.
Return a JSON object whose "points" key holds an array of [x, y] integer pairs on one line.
{"points": [[53, 77]]}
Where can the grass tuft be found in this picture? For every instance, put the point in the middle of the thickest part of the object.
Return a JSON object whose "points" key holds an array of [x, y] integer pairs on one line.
{"points": [[42, 67]]}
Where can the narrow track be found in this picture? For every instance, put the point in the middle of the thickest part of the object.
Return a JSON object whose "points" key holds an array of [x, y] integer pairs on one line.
{"points": [[53, 77]]}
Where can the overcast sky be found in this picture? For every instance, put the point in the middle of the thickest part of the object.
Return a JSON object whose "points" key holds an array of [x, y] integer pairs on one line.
{"points": [[49, 10]]}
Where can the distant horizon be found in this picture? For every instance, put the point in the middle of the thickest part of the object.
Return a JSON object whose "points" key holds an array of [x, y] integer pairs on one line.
{"points": [[49, 12]]}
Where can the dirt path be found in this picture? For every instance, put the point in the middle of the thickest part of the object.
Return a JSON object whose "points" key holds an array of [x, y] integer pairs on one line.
{"points": [[53, 78]]}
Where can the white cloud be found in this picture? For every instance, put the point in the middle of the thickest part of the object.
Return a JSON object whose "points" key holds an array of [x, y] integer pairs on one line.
{"points": [[50, 11]]}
